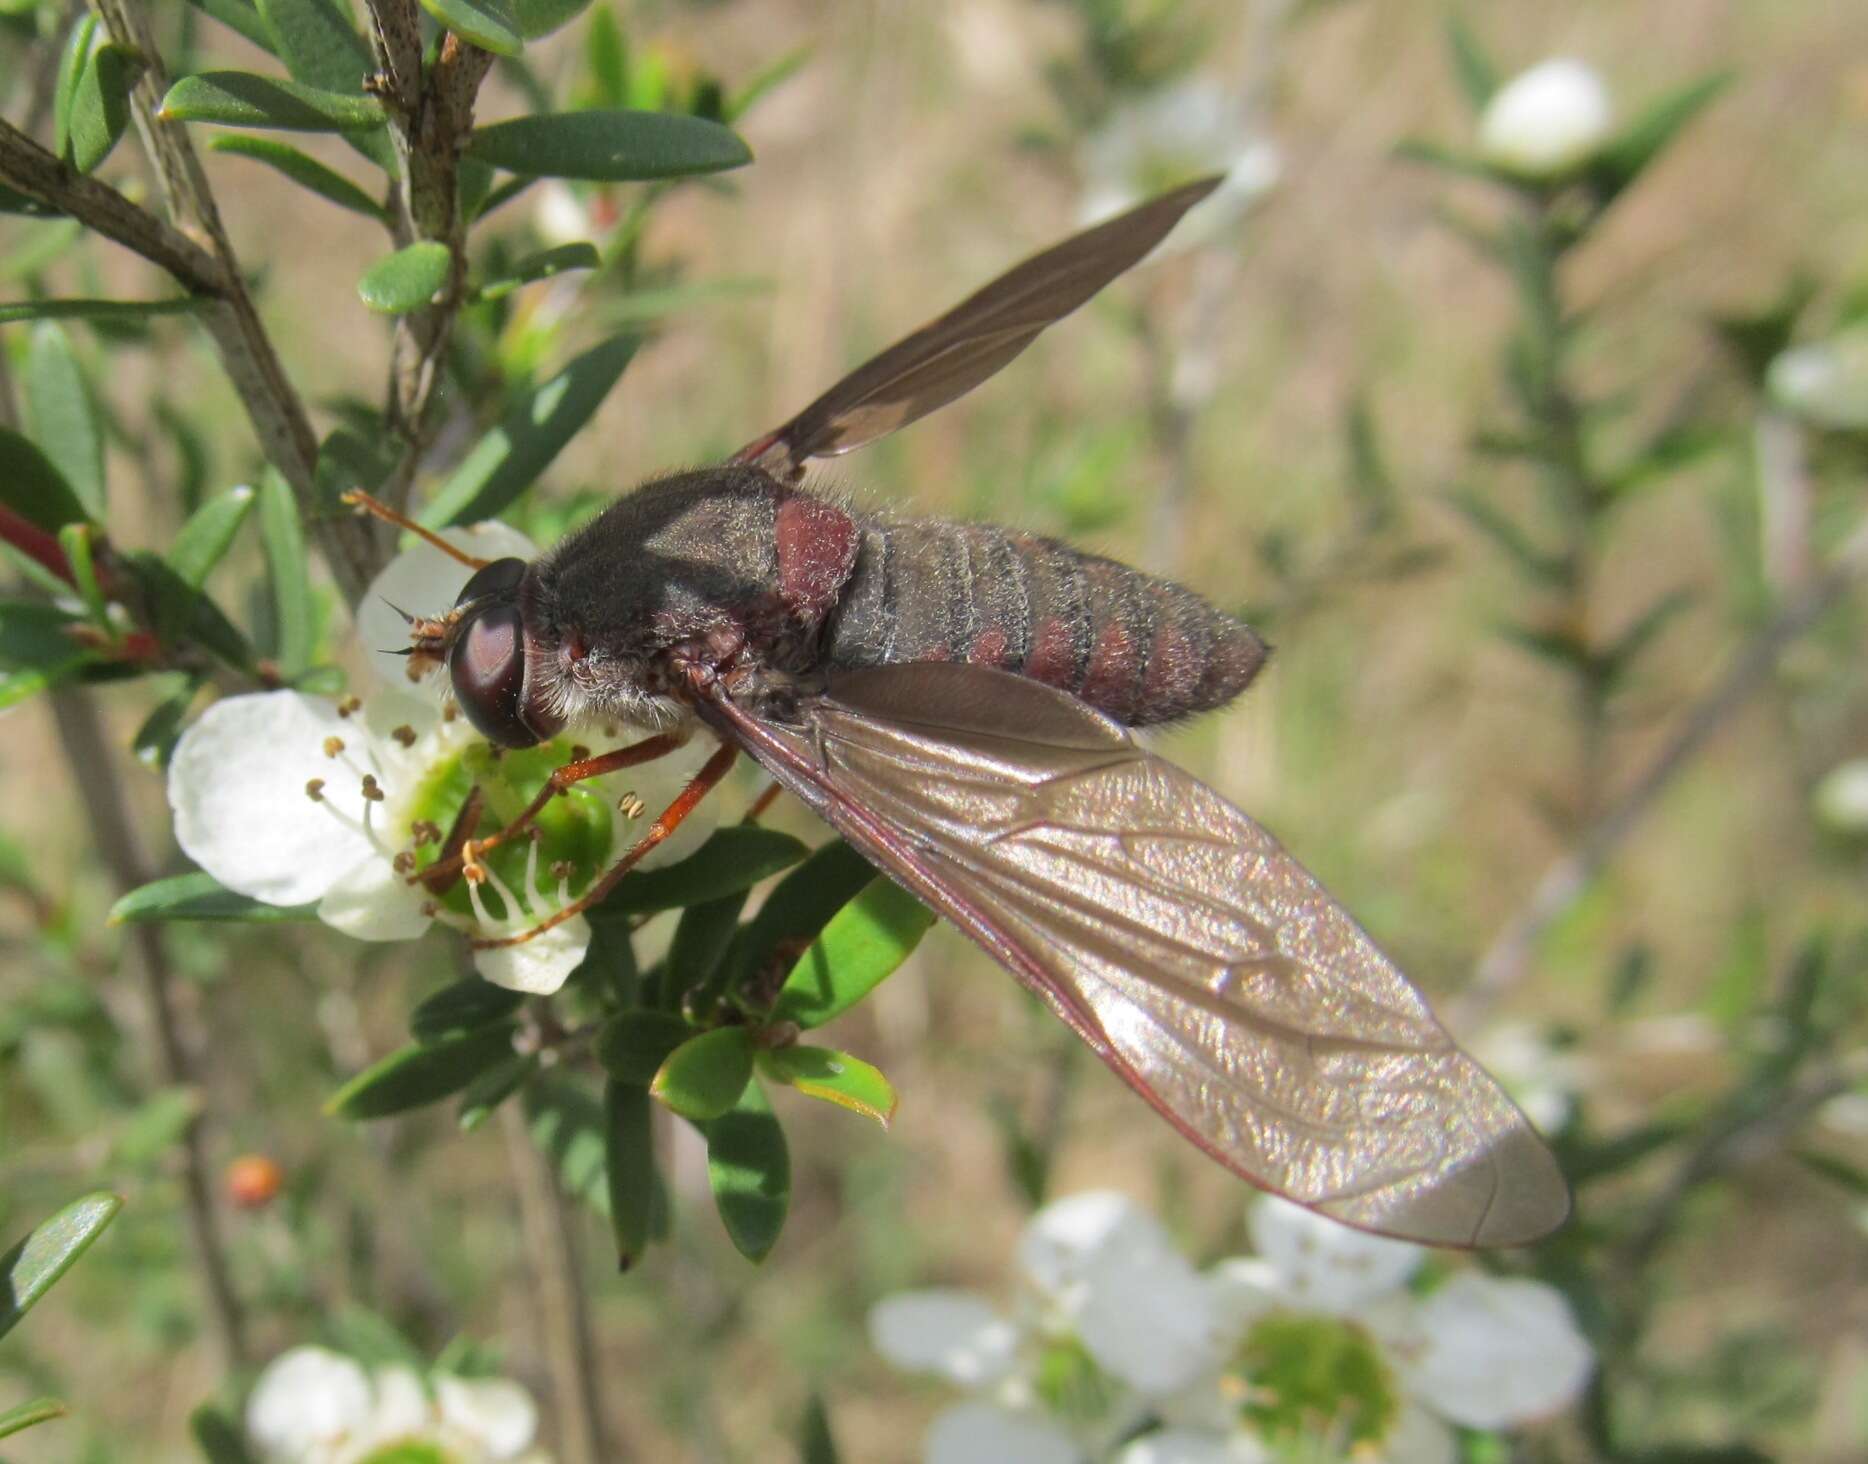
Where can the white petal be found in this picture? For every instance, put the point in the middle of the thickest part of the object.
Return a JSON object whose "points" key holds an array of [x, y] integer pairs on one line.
{"points": [[424, 581], [953, 1333], [538, 966], [1148, 1319], [1195, 1446], [1417, 1438], [982, 1433], [306, 1397], [1064, 1237], [1243, 1289], [1493, 1352], [495, 1412], [237, 789], [1547, 120], [1324, 1265], [401, 1405], [373, 902]]}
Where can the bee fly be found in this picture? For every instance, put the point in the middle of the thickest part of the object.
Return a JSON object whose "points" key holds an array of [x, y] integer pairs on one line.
{"points": [[957, 700]]}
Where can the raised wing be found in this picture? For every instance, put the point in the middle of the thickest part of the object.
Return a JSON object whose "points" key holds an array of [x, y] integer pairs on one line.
{"points": [[948, 357], [1176, 937]]}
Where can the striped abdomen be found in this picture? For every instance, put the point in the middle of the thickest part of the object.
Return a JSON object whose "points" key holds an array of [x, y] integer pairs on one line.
{"points": [[1139, 648]]}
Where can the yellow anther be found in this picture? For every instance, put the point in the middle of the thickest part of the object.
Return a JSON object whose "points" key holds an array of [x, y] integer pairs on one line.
{"points": [[405, 734], [314, 790], [630, 805], [333, 746], [372, 790]]}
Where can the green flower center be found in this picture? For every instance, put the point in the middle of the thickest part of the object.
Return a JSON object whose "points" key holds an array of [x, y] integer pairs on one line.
{"points": [[1310, 1378], [574, 830], [409, 1451], [1071, 1385]]}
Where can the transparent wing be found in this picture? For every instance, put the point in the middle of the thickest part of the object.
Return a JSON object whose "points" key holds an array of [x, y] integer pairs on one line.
{"points": [[1178, 939], [948, 357]]}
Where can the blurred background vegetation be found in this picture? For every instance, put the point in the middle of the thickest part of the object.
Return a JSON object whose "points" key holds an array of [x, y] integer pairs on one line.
{"points": [[1508, 483]]}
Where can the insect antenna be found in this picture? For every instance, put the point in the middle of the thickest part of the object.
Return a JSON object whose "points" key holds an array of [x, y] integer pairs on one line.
{"points": [[364, 503]]}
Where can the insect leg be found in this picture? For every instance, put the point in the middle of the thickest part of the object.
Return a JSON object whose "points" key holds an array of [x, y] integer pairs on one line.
{"points": [[670, 819], [358, 499], [764, 801], [561, 778]]}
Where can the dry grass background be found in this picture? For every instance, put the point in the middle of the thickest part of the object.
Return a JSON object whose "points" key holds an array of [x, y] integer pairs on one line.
{"points": [[1395, 744]]}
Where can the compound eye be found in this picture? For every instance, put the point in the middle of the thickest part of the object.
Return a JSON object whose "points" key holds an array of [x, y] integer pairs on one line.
{"points": [[497, 580], [487, 666]]}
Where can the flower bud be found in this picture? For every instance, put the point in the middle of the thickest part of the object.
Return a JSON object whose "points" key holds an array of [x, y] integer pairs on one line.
{"points": [[252, 1181], [1546, 121], [1842, 799], [1825, 382]]}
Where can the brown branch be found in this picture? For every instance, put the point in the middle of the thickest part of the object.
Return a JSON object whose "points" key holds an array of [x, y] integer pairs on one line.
{"points": [[1507, 960], [91, 756]]}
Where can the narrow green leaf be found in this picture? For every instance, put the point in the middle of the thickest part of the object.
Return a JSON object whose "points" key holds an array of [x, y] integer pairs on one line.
{"points": [[217, 1436], [1644, 139], [861, 946], [155, 1127], [1504, 532], [100, 107], [63, 416], [764, 81], [17, 310], [629, 1168], [12, 201], [734, 858], [509, 458], [834, 1077], [302, 169], [154, 742], [242, 17], [406, 280], [462, 1007], [34, 635], [702, 938], [609, 146], [704, 1076], [542, 17], [74, 541], [569, 1126], [46, 243], [318, 43], [1477, 77], [70, 67], [243, 99], [489, 24], [1462, 165], [39, 1410], [203, 541], [799, 906], [284, 541], [816, 1443], [1619, 657], [200, 897], [493, 1087], [749, 1167], [422, 1073], [179, 613], [33, 487], [541, 266], [29, 1269], [633, 1045]]}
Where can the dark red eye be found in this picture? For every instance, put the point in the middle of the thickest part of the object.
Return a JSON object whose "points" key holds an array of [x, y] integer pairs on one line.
{"points": [[487, 665], [496, 581]]}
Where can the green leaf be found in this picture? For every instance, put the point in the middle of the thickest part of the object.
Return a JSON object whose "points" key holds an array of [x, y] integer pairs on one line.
{"points": [[422, 1073], [284, 541], [154, 742], [835, 1077], [318, 43], [178, 613], [217, 1436], [509, 458], [734, 858], [542, 17], [1628, 154], [799, 907], [155, 1127], [70, 67], [816, 1443], [75, 541], [37, 650], [489, 24], [633, 1045], [861, 946], [33, 487], [464, 1006], [240, 16], [629, 1168], [1505, 533], [46, 244], [541, 266], [762, 82], [609, 146], [1619, 657], [17, 310], [494, 1086], [302, 169], [243, 99], [203, 541], [200, 897], [100, 107], [29, 1269], [569, 1125], [702, 937], [704, 1076], [39, 1410], [1477, 77], [749, 1167], [406, 280], [1460, 165]]}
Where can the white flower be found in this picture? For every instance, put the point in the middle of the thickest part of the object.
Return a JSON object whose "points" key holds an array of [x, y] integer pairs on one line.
{"points": [[1842, 797], [1111, 1316], [1825, 382], [1169, 137], [293, 799], [315, 1406], [1547, 121]]}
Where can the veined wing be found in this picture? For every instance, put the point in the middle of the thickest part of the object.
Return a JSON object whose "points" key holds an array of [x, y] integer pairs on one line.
{"points": [[1176, 937]]}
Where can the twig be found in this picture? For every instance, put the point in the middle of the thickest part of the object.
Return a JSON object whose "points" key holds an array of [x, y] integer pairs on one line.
{"points": [[91, 756], [564, 1319], [1507, 960]]}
